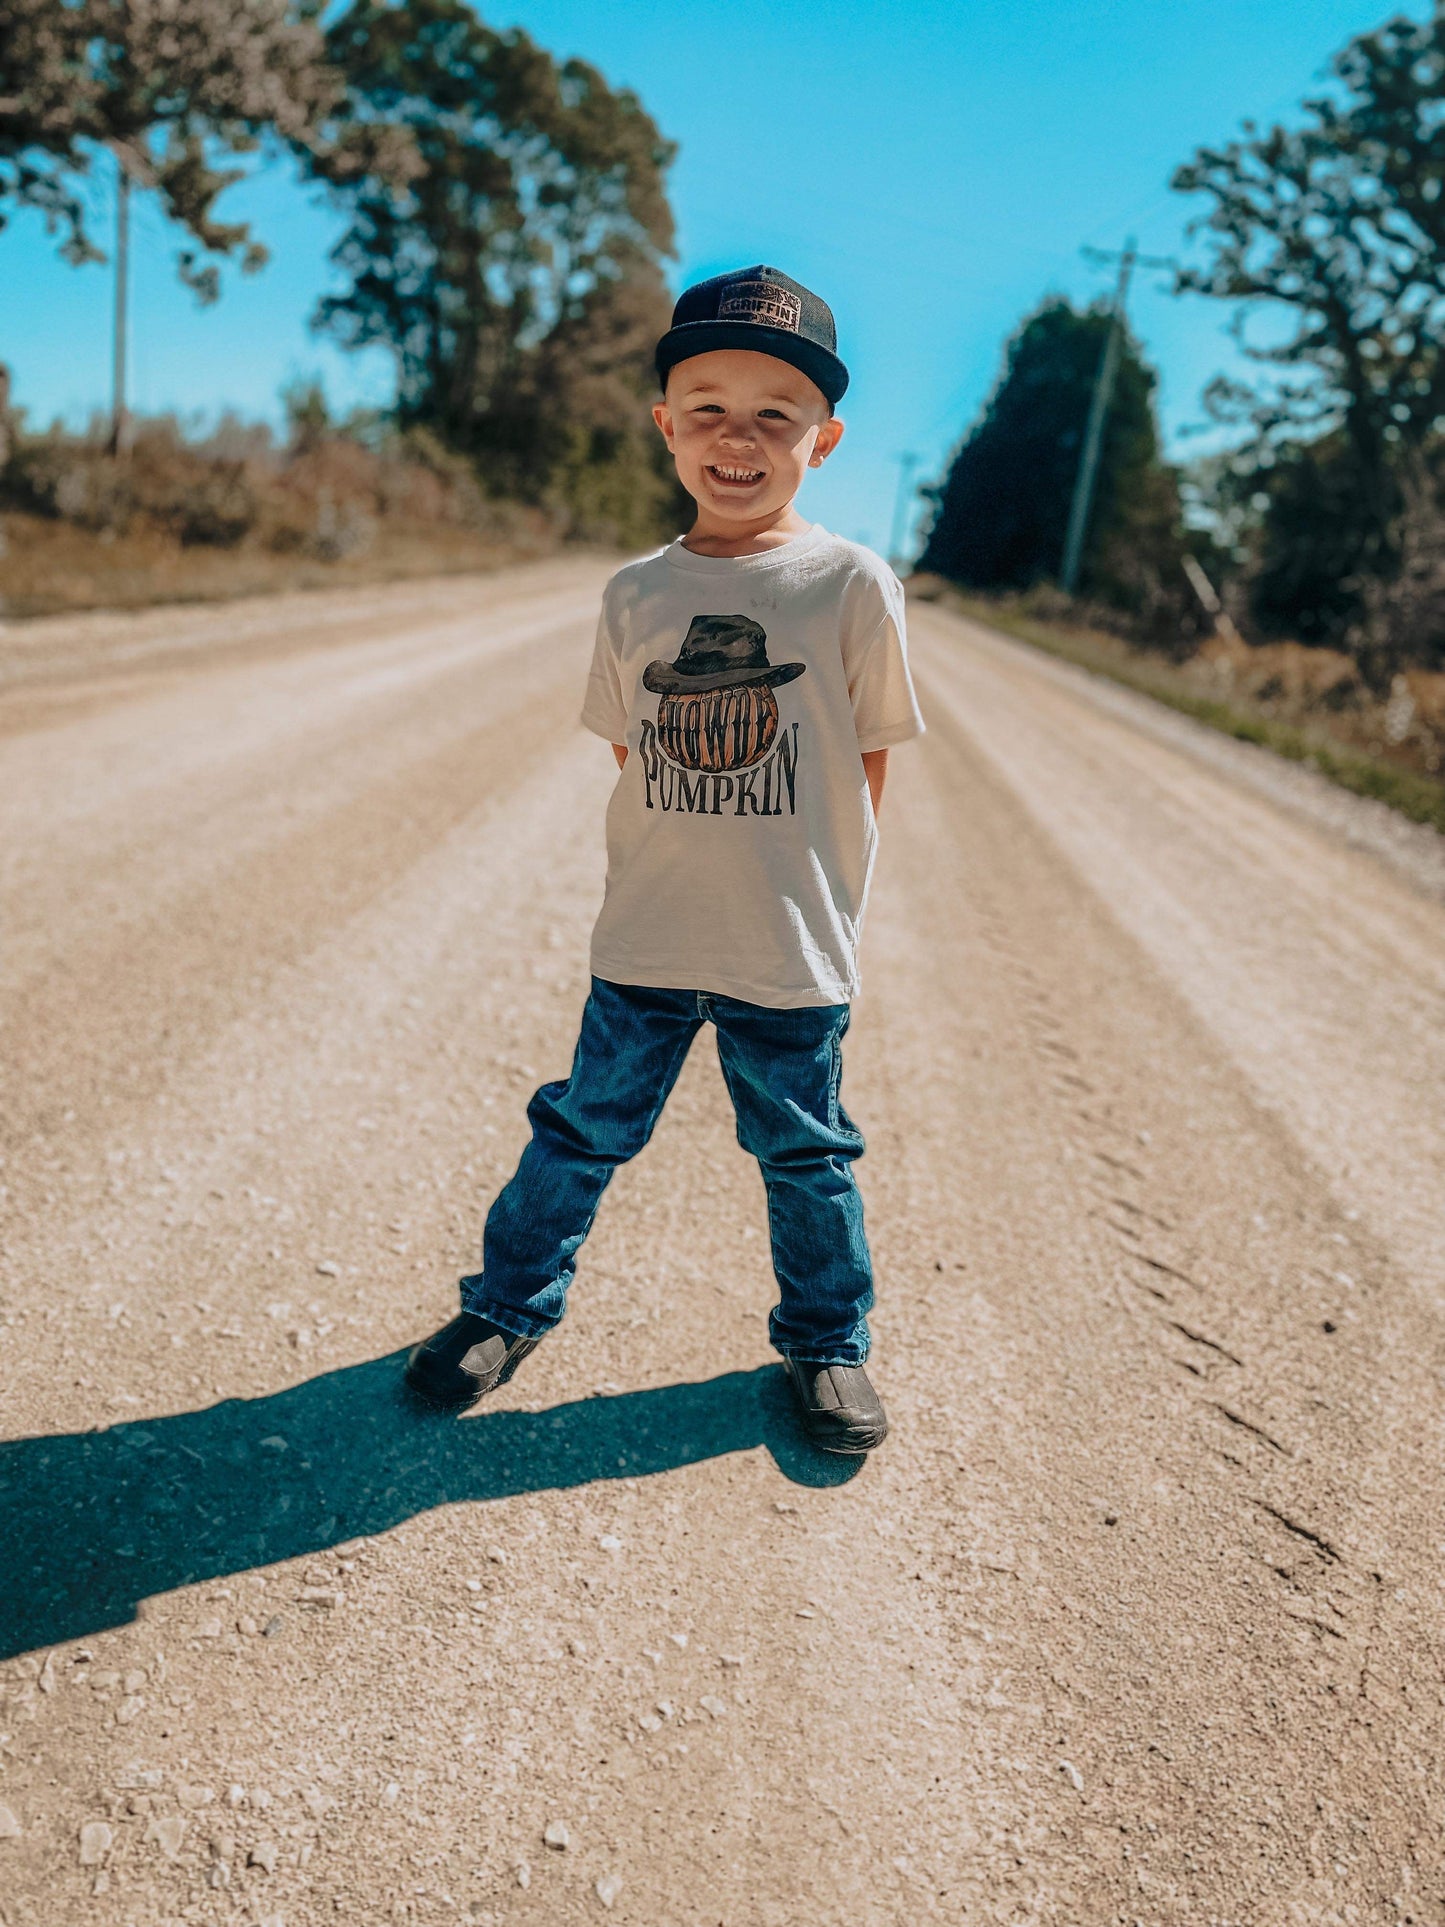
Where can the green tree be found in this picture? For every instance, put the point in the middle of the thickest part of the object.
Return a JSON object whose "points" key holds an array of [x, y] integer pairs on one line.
{"points": [[517, 276], [1339, 226], [1002, 512], [179, 94]]}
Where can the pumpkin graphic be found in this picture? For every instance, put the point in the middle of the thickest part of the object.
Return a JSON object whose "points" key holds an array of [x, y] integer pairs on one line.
{"points": [[719, 729], [717, 708]]}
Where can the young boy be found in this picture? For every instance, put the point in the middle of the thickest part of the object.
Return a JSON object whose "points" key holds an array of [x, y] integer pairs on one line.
{"points": [[751, 678]]}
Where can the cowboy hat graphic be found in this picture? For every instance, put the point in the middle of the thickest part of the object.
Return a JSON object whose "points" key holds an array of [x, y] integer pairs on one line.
{"points": [[718, 711], [719, 652]]}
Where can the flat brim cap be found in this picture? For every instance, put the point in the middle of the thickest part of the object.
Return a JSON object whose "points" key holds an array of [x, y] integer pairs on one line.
{"points": [[764, 311]]}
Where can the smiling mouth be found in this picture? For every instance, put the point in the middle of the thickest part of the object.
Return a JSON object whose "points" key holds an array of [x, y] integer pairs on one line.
{"points": [[733, 477]]}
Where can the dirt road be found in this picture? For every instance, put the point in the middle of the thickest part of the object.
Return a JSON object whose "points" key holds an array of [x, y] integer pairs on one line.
{"points": [[1138, 1616]]}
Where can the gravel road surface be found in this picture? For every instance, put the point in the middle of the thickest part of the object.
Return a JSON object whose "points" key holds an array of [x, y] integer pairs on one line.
{"points": [[1137, 1619]]}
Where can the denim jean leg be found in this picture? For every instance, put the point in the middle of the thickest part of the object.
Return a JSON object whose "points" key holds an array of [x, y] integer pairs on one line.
{"points": [[629, 1051], [783, 1069]]}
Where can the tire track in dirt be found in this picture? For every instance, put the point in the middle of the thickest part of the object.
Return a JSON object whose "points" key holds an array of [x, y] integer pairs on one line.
{"points": [[238, 760], [1319, 1499], [55, 669], [243, 871], [1322, 974]]}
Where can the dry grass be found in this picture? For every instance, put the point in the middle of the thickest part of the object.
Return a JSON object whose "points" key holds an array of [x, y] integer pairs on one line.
{"points": [[236, 513]]}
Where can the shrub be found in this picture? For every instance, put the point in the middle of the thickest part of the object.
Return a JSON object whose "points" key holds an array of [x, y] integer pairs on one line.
{"points": [[326, 494]]}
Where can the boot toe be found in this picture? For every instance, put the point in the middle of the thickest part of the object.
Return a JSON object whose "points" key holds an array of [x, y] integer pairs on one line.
{"points": [[465, 1359], [841, 1410], [438, 1383]]}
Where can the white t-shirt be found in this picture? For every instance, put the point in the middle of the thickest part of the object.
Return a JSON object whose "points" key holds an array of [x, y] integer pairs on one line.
{"points": [[740, 836]]}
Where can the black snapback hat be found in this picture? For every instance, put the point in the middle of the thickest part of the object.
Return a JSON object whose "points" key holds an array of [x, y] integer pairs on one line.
{"points": [[762, 309]]}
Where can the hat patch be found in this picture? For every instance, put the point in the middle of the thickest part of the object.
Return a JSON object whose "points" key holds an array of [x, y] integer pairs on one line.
{"points": [[762, 302]]}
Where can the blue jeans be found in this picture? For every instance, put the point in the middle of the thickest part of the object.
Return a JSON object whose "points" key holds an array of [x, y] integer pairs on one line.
{"points": [[782, 1069]]}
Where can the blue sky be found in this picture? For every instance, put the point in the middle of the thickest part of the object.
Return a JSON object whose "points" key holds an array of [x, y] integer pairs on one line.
{"points": [[932, 168]]}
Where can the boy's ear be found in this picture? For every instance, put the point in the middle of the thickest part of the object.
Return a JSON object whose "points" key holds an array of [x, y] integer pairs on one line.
{"points": [[662, 415], [829, 436]]}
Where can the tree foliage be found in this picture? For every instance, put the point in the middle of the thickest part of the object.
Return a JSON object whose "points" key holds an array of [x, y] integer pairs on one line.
{"points": [[506, 214], [1310, 540], [516, 275], [1340, 223], [180, 92], [1002, 512], [1336, 226]]}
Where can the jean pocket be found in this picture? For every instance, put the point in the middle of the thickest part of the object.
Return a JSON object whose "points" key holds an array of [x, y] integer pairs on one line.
{"points": [[835, 1080]]}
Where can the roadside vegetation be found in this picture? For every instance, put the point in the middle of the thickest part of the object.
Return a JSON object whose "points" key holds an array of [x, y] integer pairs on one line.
{"points": [[237, 510], [1307, 705], [1290, 587], [505, 227]]}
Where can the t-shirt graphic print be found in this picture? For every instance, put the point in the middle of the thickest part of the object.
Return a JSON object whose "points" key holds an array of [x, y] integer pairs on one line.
{"points": [[740, 834], [715, 743]]}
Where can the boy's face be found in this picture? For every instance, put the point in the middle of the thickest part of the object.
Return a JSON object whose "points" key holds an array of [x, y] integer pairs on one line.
{"points": [[744, 429]]}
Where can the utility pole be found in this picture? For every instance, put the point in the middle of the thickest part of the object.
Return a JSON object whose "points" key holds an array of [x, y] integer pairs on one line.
{"points": [[1087, 474], [122, 269], [906, 465]]}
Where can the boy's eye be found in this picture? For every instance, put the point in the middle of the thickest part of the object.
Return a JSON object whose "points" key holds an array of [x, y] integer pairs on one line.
{"points": [[708, 408], [773, 414]]}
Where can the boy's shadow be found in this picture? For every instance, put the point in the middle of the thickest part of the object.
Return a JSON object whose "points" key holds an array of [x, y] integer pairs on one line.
{"points": [[93, 1522]]}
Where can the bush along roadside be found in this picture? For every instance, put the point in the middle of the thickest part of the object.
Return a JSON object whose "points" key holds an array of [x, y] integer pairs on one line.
{"points": [[233, 512], [1328, 713]]}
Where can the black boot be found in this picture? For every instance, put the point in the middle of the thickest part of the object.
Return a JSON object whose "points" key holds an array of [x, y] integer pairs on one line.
{"points": [[841, 1410], [465, 1360]]}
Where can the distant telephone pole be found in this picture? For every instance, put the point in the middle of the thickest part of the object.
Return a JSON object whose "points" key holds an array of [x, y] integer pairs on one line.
{"points": [[122, 273], [903, 501], [1087, 473]]}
